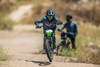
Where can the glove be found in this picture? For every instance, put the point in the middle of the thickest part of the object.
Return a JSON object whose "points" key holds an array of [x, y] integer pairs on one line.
{"points": [[59, 23], [72, 34], [38, 26]]}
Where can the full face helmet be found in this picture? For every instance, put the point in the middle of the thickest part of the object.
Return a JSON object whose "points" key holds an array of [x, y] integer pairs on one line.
{"points": [[50, 14]]}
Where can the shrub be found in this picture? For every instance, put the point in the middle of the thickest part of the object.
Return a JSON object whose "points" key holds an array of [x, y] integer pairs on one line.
{"points": [[6, 24], [74, 1], [92, 54], [3, 54]]}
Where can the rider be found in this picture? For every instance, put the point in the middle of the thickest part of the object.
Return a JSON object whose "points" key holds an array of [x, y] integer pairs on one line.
{"points": [[49, 18], [71, 28]]}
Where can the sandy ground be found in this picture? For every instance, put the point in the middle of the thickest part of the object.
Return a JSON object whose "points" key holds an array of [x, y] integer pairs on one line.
{"points": [[24, 48]]}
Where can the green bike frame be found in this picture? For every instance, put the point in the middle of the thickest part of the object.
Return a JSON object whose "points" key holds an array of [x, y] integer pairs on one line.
{"points": [[49, 33]]}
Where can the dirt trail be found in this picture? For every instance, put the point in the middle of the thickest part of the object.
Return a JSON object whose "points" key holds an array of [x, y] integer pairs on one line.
{"points": [[24, 47]]}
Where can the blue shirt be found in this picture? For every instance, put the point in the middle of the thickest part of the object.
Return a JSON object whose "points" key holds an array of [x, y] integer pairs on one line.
{"points": [[70, 27], [44, 20]]}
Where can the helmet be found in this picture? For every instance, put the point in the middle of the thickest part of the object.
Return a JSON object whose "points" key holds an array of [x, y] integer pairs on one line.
{"points": [[50, 12], [68, 17]]}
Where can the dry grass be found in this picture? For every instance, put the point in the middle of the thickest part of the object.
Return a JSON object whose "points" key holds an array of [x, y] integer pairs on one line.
{"points": [[88, 34], [89, 54], [3, 54], [6, 24]]}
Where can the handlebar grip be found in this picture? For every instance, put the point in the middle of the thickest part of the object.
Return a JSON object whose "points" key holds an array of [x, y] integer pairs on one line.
{"points": [[38, 27]]}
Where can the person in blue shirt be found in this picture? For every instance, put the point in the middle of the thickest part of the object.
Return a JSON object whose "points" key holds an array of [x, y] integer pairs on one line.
{"points": [[51, 19], [71, 28]]}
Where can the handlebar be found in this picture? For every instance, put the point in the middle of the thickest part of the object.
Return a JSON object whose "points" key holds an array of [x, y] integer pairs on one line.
{"points": [[39, 26], [64, 32]]}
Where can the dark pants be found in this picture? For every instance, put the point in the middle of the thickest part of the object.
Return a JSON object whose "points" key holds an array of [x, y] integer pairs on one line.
{"points": [[72, 38], [54, 41]]}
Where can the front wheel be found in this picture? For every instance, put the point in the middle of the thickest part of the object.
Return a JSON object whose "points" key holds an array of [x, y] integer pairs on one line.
{"points": [[60, 47], [49, 49]]}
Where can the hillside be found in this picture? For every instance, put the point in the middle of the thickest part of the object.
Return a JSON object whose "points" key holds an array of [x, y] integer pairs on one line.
{"points": [[15, 14]]}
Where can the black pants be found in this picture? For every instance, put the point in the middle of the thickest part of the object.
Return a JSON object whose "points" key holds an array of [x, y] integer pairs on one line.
{"points": [[54, 41], [72, 38]]}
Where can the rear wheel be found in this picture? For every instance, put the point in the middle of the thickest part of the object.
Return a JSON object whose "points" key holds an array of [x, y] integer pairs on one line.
{"points": [[59, 50], [49, 49]]}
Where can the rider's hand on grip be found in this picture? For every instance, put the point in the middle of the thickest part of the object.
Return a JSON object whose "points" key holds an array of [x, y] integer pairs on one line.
{"points": [[72, 34], [38, 26]]}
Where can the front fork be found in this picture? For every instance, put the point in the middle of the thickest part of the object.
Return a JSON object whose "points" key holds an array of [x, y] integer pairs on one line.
{"points": [[50, 42]]}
